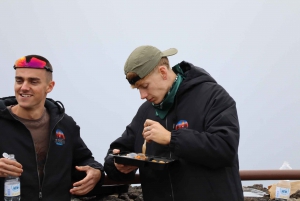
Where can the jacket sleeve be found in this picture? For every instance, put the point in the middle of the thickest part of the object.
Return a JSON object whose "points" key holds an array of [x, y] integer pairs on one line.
{"points": [[217, 145], [125, 143], [83, 156], [115, 174]]}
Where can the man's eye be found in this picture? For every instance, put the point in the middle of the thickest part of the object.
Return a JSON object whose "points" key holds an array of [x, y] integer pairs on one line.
{"points": [[18, 81]]}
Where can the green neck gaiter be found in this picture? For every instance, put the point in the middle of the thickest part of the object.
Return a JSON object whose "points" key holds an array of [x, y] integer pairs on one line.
{"points": [[163, 108]]}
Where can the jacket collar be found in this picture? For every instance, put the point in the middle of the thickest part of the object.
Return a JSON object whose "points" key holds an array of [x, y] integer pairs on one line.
{"points": [[54, 107]]}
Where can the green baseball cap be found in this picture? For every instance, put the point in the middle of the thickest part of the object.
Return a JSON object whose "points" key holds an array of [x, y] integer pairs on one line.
{"points": [[144, 59]]}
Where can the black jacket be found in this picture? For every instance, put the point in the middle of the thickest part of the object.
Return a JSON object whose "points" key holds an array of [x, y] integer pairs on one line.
{"points": [[66, 149], [207, 166]]}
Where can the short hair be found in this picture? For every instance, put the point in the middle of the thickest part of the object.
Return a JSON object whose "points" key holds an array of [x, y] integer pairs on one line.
{"points": [[164, 61]]}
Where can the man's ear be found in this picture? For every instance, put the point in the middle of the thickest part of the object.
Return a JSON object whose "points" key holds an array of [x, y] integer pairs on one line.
{"points": [[163, 71], [50, 86]]}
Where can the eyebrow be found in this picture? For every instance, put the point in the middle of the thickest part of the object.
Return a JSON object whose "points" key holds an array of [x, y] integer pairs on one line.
{"points": [[30, 78]]}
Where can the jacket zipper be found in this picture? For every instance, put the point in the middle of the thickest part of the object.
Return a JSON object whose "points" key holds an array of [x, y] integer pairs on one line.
{"points": [[168, 168], [171, 185], [34, 153], [167, 129], [41, 188]]}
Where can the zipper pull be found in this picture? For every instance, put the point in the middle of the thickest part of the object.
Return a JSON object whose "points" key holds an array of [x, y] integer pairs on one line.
{"points": [[40, 195]]}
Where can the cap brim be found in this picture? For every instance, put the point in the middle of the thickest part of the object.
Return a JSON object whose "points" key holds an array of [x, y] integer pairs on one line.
{"points": [[169, 52]]}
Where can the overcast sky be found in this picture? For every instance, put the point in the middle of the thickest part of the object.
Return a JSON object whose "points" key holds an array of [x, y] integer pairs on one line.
{"points": [[252, 48]]}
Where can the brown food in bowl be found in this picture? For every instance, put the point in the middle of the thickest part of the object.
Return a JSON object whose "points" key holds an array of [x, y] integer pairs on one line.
{"points": [[141, 157], [158, 161]]}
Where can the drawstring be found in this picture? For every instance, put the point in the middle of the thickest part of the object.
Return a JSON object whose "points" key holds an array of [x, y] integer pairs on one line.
{"points": [[175, 111], [60, 106]]}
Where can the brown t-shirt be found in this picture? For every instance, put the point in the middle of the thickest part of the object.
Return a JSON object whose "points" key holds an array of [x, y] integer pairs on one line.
{"points": [[39, 129]]}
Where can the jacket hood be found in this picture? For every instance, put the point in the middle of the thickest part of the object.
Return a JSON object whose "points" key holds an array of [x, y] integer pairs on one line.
{"points": [[193, 76], [50, 104]]}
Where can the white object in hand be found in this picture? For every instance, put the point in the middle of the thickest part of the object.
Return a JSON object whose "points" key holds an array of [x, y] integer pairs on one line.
{"points": [[5, 155]]}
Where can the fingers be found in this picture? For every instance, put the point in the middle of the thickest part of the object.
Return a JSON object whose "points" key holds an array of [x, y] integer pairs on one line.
{"points": [[10, 167], [146, 131], [12, 172], [145, 124], [91, 174], [154, 131], [120, 167], [125, 168], [81, 190], [149, 122], [11, 162], [81, 183], [82, 168], [3, 174], [116, 151], [148, 128], [88, 183], [84, 180], [147, 135]]}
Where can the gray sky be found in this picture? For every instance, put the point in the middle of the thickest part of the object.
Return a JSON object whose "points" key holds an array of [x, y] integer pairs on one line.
{"points": [[252, 48]]}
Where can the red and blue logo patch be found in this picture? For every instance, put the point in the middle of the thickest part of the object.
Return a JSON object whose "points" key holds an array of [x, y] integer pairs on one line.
{"points": [[181, 124], [59, 137]]}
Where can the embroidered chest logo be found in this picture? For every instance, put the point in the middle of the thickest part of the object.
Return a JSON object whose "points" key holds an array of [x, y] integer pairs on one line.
{"points": [[59, 137], [181, 124]]}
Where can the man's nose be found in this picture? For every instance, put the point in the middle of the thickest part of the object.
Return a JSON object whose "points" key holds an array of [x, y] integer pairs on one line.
{"points": [[25, 86], [143, 94]]}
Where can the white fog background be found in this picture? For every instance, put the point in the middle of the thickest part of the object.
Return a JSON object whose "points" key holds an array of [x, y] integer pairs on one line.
{"points": [[252, 48]]}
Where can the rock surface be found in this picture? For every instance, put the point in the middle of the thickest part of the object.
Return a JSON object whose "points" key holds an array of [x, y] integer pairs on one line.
{"points": [[135, 194]]}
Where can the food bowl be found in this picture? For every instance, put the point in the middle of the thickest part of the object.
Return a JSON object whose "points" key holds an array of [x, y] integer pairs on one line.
{"points": [[143, 160]]}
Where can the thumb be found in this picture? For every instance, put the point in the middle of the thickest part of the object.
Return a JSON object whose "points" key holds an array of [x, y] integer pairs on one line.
{"points": [[81, 168], [116, 151]]}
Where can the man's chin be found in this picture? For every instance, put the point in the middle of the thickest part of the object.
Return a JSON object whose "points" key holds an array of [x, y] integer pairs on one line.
{"points": [[24, 106], [155, 102]]}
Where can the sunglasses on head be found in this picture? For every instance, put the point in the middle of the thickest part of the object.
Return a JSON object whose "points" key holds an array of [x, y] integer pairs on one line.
{"points": [[33, 63]]}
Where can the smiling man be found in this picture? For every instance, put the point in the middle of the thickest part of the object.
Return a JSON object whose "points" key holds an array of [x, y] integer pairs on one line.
{"points": [[46, 141], [187, 117]]}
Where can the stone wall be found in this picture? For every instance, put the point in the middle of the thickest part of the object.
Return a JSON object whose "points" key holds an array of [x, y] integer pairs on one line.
{"points": [[135, 194]]}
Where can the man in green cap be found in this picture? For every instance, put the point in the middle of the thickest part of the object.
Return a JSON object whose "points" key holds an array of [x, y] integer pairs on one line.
{"points": [[189, 118]]}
